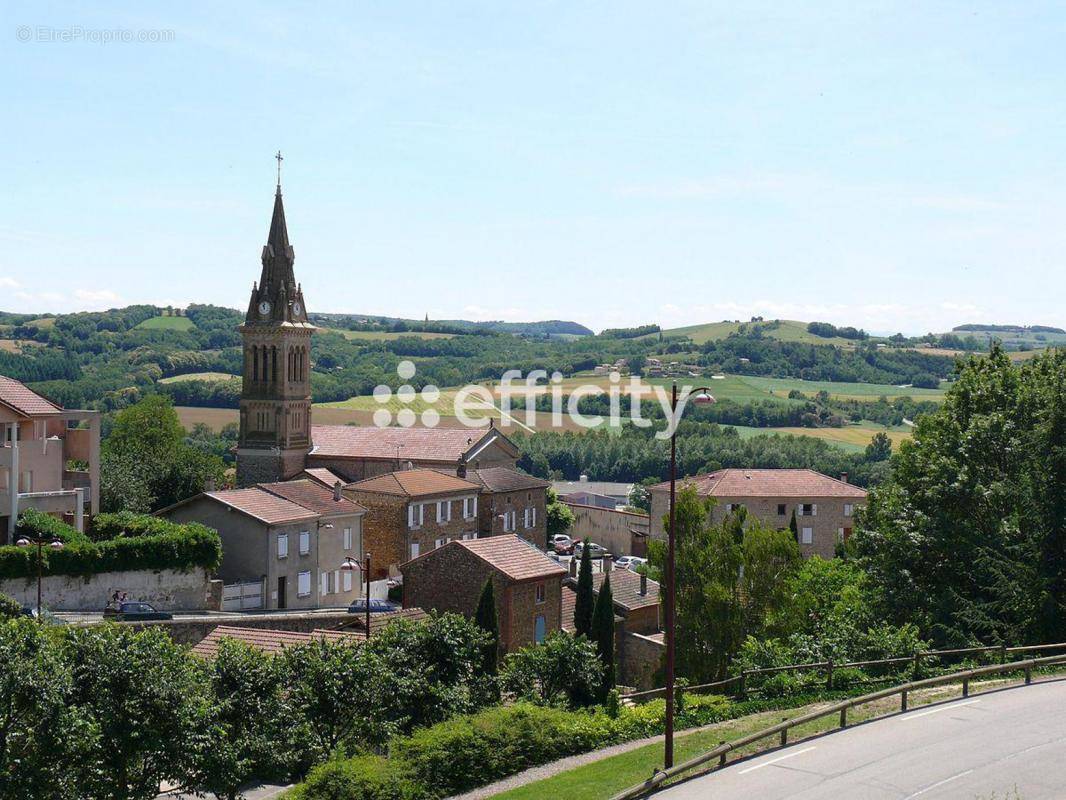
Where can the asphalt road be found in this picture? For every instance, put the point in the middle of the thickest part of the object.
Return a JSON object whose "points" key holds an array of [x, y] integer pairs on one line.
{"points": [[1005, 744]]}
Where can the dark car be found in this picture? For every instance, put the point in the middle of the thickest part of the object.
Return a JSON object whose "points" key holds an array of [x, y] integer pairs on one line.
{"points": [[376, 606], [49, 618], [135, 612]]}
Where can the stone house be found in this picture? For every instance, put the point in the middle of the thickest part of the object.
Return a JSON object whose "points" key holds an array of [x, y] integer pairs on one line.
{"points": [[511, 502], [413, 511], [358, 452], [49, 458], [527, 584], [824, 506], [292, 536]]}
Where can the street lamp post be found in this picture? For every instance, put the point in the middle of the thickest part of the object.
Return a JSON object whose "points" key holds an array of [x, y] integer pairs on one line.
{"points": [[704, 396], [350, 565], [40, 541]]}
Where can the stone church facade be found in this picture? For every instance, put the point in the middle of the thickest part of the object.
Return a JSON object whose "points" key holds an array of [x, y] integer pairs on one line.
{"points": [[275, 406]]}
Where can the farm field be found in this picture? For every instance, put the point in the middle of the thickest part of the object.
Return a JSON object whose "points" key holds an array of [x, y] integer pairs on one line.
{"points": [[16, 347], [200, 376], [852, 438], [843, 391], [168, 324], [385, 336], [788, 331]]}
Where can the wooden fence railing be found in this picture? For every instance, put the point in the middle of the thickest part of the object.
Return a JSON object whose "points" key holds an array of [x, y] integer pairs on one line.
{"points": [[738, 684], [722, 751]]}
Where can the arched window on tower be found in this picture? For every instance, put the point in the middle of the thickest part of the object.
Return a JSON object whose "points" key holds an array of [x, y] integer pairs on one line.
{"points": [[274, 364], [255, 363], [266, 364]]}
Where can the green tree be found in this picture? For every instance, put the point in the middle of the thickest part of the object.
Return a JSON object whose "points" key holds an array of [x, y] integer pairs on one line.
{"points": [[245, 724], [585, 600], [488, 619], [560, 518], [563, 670], [793, 526], [968, 538], [879, 448], [640, 497], [10, 608], [603, 635], [41, 733], [142, 698], [146, 463]]}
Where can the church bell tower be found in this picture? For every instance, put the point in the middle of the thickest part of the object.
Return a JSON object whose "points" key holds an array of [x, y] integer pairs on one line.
{"points": [[275, 426]]}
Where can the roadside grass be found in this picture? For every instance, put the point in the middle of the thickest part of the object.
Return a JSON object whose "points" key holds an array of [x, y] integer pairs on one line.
{"points": [[167, 324], [600, 780]]}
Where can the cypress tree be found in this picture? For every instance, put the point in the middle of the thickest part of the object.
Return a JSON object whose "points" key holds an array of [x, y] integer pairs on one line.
{"points": [[488, 620], [603, 634], [583, 606], [792, 526]]}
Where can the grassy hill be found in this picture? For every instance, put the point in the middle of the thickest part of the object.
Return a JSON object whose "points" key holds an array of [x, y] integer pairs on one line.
{"points": [[785, 330], [167, 324]]}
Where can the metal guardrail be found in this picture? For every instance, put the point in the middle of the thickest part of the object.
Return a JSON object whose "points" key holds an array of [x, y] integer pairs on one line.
{"points": [[781, 730], [739, 682]]}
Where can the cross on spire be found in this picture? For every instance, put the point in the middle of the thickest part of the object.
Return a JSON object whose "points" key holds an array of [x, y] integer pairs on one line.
{"points": [[278, 156]]}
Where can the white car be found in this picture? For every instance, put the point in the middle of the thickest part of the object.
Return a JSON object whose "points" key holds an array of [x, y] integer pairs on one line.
{"points": [[595, 550], [561, 543], [630, 562]]}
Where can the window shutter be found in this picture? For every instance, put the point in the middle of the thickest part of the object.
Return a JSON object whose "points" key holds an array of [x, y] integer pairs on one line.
{"points": [[323, 583], [347, 580], [814, 510]]}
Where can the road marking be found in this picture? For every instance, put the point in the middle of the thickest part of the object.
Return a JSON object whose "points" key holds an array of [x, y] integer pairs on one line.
{"points": [[938, 783], [942, 708], [775, 760]]}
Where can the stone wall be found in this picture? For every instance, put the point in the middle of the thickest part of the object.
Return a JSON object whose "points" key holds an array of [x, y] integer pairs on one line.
{"points": [[612, 529], [491, 505], [167, 590], [642, 656]]}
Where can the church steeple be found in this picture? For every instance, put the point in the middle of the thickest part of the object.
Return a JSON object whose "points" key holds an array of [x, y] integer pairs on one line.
{"points": [[277, 297], [275, 405]]}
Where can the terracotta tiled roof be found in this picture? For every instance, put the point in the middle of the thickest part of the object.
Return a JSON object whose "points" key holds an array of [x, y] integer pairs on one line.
{"points": [[516, 558], [263, 505], [501, 479], [326, 477], [24, 400], [625, 589], [415, 444], [269, 641], [313, 496], [415, 483], [768, 483]]}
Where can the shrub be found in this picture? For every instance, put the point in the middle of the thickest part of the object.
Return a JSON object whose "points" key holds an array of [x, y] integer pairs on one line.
{"points": [[471, 751], [132, 541], [359, 778], [563, 670], [9, 608]]}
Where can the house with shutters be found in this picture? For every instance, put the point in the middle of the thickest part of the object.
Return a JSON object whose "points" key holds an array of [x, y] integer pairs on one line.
{"points": [[49, 458], [824, 506], [527, 585], [511, 502], [291, 537]]}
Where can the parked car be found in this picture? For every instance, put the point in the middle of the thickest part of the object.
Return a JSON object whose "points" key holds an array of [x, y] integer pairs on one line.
{"points": [[561, 544], [49, 618], [629, 562], [377, 606], [595, 550], [135, 612]]}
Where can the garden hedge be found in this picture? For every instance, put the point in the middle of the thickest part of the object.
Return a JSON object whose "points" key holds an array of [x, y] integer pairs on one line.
{"points": [[123, 542]]}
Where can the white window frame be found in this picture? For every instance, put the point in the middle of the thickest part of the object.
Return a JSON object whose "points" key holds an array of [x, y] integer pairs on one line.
{"points": [[347, 580], [305, 542], [444, 511], [415, 515], [347, 538], [440, 542], [283, 545], [539, 594], [468, 536], [303, 584], [323, 584], [849, 509], [416, 549], [469, 507], [806, 535]]}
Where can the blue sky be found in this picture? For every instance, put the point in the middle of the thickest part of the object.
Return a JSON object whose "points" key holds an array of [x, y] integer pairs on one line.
{"points": [[900, 166]]}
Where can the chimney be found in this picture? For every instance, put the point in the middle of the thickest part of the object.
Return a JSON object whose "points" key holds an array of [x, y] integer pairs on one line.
{"points": [[643, 583], [583, 479], [844, 477], [608, 562], [409, 465], [460, 471], [337, 490], [209, 485], [573, 567]]}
